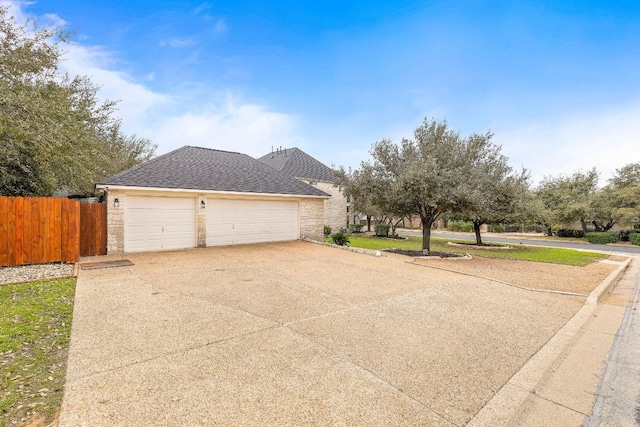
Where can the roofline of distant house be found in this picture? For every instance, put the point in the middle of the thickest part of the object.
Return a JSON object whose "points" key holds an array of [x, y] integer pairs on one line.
{"points": [[314, 179], [191, 190]]}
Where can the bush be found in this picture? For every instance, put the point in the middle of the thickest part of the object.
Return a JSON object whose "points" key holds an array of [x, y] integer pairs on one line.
{"points": [[340, 239], [499, 228], [327, 230], [634, 238], [463, 226], [381, 230], [602, 237], [624, 235], [567, 232], [356, 228]]}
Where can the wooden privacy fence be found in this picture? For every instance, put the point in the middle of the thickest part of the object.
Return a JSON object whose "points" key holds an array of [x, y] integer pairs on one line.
{"points": [[36, 230]]}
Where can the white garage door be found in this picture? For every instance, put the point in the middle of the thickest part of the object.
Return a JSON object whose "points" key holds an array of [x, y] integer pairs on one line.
{"points": [[159, 223], [231, 222]]}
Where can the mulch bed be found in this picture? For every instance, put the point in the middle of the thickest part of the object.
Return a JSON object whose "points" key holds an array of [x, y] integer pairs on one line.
{"points": [[419, 253]]}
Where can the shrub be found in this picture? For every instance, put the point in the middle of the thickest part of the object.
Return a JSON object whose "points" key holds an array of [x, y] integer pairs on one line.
{"points": [[499, 228], [381, 230], [340, 239], [356, 228], [624, 235], [463, 226], [602, 237], [327, 230], [634, 238], [567, 232]]}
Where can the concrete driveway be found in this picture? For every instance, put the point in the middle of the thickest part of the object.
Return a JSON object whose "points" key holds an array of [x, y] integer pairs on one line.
{"points": [[295, 334]]}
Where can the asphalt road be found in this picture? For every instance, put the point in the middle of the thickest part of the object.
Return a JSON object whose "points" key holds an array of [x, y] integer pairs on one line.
{"points": [[531, 242]]}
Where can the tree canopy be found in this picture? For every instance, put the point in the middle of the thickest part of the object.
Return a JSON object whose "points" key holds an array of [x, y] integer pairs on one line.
{"points": [[497, 193], [569, 198], [55, 133], [436, 172]]}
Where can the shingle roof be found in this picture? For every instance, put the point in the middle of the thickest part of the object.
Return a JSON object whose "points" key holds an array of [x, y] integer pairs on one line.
{"points": [[296, 162], [198, 168]]}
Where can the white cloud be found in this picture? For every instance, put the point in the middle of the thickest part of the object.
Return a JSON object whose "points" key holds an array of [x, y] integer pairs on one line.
{"points": [[220, 27], [135, 101], [232, 126], [606, 140], [14, 9], [178, 43]]}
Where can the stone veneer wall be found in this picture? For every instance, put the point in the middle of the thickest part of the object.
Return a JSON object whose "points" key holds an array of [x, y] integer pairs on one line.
{"points": [[115, 222], [202, 222], [335, 208], [311, 217]]}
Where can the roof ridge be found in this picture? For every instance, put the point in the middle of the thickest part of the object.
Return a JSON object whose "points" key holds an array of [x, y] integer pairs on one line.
{"points": [[211, 149]]}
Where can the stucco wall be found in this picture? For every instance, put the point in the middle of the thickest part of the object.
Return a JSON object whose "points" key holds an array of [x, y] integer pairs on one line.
{"points": [[335, 208], [311, 218]]}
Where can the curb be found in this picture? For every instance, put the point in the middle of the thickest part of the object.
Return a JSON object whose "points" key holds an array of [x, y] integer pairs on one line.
{"points": [[346, 248], [607, 284], [501, 409]]}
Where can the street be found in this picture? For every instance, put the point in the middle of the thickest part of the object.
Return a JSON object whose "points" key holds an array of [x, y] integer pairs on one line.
{"points": [[491, 238]]}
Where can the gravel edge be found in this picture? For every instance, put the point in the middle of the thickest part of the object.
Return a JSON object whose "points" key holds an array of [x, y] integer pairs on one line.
{"points": [[29, 273]]}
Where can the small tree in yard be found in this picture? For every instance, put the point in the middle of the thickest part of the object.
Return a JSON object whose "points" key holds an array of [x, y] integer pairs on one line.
{"points": [[361, 188], [498, 193]]}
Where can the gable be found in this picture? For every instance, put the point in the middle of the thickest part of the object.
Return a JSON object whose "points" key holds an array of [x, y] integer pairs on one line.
{"points": [[297, 163]]}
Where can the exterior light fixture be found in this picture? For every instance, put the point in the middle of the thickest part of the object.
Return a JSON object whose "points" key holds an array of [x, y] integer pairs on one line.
{"points": [[202, 204], [116, 203]]}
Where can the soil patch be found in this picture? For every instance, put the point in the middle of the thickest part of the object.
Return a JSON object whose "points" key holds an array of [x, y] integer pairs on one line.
{"points": [[530, 274], [482, 246], [416, 254]]}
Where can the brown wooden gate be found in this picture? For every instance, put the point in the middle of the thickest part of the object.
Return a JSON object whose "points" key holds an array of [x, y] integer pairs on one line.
{"points": [[93, 229]]}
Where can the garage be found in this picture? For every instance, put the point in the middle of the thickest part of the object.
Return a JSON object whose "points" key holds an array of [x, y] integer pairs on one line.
{"points": [[196, 197], [232, 222], [159, 223]]}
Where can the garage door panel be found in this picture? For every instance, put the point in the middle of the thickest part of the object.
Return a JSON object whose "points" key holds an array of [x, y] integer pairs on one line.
{"points": [[159, 223], [251, 221]]}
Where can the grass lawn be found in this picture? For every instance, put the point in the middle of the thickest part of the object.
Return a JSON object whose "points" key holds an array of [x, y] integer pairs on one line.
{"points": [[35, 325], [520, 252]]}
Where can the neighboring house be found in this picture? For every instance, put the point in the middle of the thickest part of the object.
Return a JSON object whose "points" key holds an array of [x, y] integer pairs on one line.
{"points": [[305, 168], [196, 197]]}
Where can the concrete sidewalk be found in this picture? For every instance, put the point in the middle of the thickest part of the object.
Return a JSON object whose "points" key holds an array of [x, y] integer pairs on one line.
{"points": [[618, 396], [561, 387]]}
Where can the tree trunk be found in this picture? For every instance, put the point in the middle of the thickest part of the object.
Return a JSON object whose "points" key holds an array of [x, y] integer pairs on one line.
{"points": [[426, 235], [584, 225], [476, 228], [369, 223]]}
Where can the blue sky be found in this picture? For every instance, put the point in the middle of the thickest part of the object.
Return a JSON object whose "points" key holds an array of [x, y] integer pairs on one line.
{"points": [[557, 82]]}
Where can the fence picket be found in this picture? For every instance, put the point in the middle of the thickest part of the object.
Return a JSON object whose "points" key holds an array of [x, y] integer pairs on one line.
{"points": [[35, 230]]}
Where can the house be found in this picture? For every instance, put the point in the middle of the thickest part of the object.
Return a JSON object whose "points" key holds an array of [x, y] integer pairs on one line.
{"points": [[305, 168], [197, 197]]}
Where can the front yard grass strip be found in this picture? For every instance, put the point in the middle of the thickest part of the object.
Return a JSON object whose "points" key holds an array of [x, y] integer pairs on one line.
{"points": [[519, 252], [35, 326]]}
